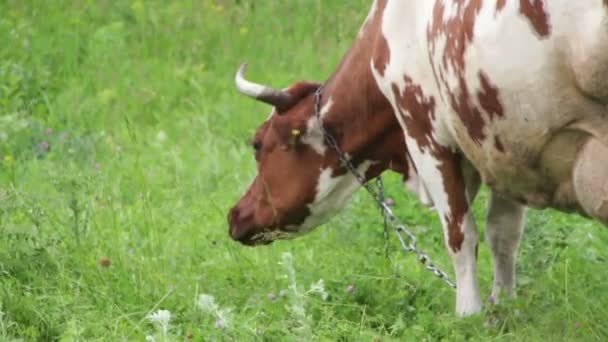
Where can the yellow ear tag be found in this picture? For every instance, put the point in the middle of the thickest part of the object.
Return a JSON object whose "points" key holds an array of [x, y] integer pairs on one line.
{"points": [[295, 133]]}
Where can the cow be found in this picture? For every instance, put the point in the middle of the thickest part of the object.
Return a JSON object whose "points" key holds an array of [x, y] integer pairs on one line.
{"points": [[512, 94]]}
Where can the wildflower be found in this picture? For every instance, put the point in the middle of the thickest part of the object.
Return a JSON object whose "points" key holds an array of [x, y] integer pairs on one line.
{"points": [[298, 303], [350, 288], [161, 136], [161, 318], [49, 131], [319, 288], [271, 296], [222, 318], [9, 160], [97, 166], [44, 145], [206, 303], [63, 136]]}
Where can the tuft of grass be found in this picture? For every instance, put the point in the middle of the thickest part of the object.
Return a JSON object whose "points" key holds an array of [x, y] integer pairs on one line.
{"points": [[123, 144]]}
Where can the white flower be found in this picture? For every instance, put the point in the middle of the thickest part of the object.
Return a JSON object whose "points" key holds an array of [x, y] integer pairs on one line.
{"points": [[207, 303], [161, 318], [319, 288], [161, 136], [223, 318]]}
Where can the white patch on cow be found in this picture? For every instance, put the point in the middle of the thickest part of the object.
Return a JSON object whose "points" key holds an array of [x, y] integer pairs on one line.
{"points": [[370, 15], [468, 297], [314, 136], [332, 195], [415, 185]]}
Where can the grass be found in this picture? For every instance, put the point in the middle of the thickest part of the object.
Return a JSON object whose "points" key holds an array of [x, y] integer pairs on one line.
{"points": [[123, 145]]}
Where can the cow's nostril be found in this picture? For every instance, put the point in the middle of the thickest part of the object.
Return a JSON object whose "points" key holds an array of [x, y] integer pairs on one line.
{"points": [[232, 215], [241, 225]]}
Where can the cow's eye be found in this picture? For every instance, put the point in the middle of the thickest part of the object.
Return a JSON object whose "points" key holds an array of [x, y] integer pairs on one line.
{"points": [[257, 145]]}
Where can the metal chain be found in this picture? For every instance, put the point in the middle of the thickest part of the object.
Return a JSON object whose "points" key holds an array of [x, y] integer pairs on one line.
{"points": [[406, 237]]}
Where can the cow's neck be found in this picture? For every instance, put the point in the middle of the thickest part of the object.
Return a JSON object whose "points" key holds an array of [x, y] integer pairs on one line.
{"points": [[360, 116]]}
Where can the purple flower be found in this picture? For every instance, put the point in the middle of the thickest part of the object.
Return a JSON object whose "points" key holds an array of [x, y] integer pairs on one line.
{"points": [[44, 145], [350, 288], [492, 299], [389, 201], [49, 131], [271, 296], [63, 136]]}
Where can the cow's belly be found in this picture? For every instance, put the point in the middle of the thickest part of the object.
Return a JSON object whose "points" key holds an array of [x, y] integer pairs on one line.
{"points": [[510, 101]]}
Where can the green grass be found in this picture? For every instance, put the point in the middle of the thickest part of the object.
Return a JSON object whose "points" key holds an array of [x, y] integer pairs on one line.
{"points": [[123, 139]]}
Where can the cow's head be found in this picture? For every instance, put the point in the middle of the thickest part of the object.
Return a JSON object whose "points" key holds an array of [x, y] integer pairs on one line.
{"points": [[300, 181]]}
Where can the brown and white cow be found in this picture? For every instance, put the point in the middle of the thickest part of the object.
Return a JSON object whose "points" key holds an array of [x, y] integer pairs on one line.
{"points": [[512, 93]]}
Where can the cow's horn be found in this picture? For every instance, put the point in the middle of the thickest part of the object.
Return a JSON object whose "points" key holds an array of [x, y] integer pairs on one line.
{"points": [[279, 98]]}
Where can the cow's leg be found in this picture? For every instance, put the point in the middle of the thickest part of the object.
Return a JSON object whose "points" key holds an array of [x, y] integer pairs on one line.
{"points": [[590, 179], [504, 227], [442, 174]]}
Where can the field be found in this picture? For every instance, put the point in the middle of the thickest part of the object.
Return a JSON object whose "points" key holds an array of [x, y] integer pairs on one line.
{"points": [[123, 144]]}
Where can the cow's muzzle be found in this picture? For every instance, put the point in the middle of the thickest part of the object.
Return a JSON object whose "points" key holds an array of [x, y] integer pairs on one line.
{"points": [[242, 227]]}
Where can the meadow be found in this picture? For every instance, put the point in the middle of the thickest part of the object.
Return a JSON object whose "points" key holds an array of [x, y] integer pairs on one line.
{"points": [[123, 143]]}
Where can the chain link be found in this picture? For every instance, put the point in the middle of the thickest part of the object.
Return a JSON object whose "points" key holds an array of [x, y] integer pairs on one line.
{"points": [[406, 237]]}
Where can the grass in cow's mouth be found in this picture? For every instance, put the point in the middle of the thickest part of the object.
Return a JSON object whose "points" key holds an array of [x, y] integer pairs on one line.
{"points": [[121, 150]]}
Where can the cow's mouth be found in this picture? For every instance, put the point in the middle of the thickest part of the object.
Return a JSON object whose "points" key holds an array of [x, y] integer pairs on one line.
{"points": [[268, 236], [257, 242]]}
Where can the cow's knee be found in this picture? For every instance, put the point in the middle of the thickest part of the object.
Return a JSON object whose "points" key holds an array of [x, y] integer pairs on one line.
{"points": [[590, 179]]}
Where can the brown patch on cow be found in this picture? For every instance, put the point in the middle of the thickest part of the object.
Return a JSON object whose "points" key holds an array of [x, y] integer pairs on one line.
{"points": [[458, 32], [488, 97], [419, 113], [381, 55], [469, 114], [498, 144], [500, 4], [536, 13], [455, 188]]}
